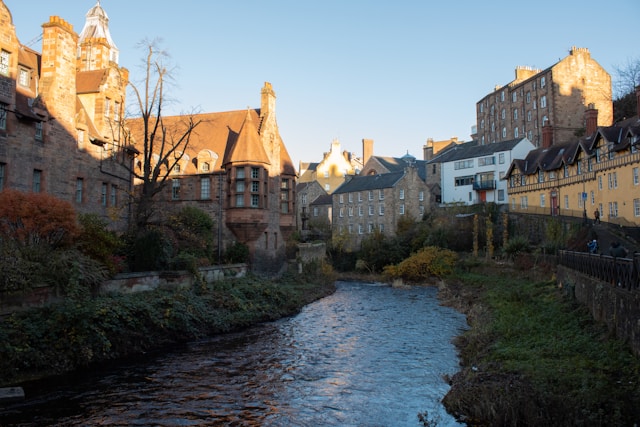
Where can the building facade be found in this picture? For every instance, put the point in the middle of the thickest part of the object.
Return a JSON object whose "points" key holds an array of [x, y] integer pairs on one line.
{"points": [[600, 171], [330, 172], [237, 169], [472, 173], [557, 95], [306, 194], [365, 204], [61, 113]]}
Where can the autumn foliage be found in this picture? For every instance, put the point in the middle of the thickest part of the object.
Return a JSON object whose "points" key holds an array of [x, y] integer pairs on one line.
{"points": [[36, 218], [423, 265]]}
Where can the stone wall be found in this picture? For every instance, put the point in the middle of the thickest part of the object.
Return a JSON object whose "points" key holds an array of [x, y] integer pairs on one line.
{"points": [[125, 283], [309, 252], [146, 281], [616, 307]]}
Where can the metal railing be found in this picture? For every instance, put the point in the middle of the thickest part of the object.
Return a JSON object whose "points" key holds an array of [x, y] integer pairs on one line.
{"points": [[621, 272]]}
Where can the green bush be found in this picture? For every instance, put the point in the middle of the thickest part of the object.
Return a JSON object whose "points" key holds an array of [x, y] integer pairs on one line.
{"points": [[149, 251], [517, 245], [99, 243], [237, 253], [191, 232]]}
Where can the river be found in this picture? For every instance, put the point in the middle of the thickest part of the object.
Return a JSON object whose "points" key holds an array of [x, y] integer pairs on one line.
{"points": [[368, 355]]}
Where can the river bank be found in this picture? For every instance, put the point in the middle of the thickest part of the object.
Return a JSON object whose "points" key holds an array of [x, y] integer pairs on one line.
{"points": [[533, 357], [77, 334]]}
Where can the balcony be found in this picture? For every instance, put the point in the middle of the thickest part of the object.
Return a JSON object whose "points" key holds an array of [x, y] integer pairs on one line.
{"points": [[489, 184]]}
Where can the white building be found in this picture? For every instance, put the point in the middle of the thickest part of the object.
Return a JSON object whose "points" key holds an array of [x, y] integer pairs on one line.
{"points": [[473, 173]]}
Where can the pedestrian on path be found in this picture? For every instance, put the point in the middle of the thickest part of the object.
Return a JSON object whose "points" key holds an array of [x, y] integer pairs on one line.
{"points": [[596, 216]]}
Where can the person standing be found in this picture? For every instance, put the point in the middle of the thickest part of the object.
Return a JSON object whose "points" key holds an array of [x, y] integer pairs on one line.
{"points": [[596, 216]]}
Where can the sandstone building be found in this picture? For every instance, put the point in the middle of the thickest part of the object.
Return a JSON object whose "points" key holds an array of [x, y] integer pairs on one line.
{"points": [[600, 171], [61, 113], [331, 171], [557, 95], [236, 168], [371, 203]]}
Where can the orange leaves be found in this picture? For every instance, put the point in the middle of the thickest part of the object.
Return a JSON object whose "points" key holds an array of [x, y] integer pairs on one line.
{"points": [[32, 218]]}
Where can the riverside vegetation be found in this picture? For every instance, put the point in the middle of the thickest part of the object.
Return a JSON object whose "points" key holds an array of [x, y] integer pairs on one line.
{"points": [[78, 333], [533, 357]]}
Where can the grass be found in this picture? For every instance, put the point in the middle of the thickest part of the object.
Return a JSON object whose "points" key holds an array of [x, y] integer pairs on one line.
{"points": [[534, 357]]}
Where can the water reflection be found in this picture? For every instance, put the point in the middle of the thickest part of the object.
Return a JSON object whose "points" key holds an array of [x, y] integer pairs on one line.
{"points": [[366, 356]]}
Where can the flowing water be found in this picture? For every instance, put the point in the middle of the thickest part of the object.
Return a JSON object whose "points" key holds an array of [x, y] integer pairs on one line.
{"points": [[368, 355]]}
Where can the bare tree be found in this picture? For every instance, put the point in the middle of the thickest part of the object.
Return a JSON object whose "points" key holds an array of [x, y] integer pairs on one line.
{"points": [[627, 78], [160, 143]]}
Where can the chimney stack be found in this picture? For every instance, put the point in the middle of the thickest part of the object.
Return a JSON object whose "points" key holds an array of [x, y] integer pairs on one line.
{"points": [[591, 118], [367, 150], [547, 134]]}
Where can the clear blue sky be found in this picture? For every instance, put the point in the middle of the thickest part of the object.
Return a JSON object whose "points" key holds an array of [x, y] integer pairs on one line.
{"points": [[398, 72]]}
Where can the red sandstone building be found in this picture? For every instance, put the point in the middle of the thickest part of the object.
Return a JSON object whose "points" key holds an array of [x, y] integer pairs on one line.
{"points": [[60, 115], [237, 168], [61, 132]]}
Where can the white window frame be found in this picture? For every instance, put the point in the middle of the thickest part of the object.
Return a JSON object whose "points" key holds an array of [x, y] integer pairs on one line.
{"points": [[205, 188]]}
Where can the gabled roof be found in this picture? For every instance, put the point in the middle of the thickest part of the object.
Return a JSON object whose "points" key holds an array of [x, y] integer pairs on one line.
{"points": [[84, 118], [471, 150], [370, 182], [90, 81], [550, 158], [398, 164]]}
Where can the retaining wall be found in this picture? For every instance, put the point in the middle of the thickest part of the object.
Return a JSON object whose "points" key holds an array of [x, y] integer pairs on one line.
{"points": [[615, 306]]}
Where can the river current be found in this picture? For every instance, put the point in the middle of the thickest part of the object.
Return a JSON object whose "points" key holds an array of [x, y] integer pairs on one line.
{"points": [[368, 355]]}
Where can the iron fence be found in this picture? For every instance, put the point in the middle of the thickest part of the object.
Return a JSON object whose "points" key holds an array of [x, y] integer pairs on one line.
{"points": [[622, 272]]}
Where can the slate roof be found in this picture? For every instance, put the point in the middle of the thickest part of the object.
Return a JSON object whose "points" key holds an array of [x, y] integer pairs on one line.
{"points": [[323, 199], [471, 150], [370, 182], [555, 156], [398, 164]]}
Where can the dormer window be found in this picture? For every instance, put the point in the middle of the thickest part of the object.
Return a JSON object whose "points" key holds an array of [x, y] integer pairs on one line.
{"points": [[205, 167]]}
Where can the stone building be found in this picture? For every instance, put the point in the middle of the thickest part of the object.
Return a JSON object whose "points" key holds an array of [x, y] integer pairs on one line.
{"points": [[237, 168], [60, 115], [330, 172], [434, 168], [600, 171], [557, 95], [376, 202], [306, 194]]}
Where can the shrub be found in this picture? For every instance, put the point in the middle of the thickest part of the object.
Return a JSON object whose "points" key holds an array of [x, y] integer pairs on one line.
{"points": [[149, 251], [33, 227], [516, 246], [428, 262], [191, 231], [237, 253], [34, 218], [99, 243]]}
